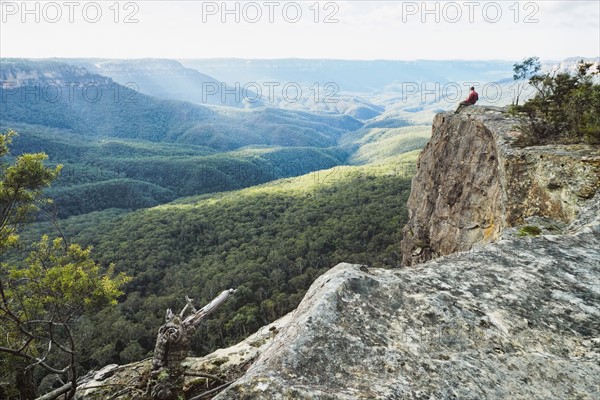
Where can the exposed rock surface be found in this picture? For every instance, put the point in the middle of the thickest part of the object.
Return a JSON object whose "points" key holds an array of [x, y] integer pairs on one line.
{"points": [[472, 183], [517, 319]]}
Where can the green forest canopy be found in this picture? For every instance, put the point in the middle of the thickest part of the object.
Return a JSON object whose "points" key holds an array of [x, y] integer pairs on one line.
{"points": [[269, 241]]}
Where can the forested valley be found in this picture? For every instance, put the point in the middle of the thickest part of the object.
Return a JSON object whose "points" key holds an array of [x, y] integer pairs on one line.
{"points": [[269, 241], [189, 200]]}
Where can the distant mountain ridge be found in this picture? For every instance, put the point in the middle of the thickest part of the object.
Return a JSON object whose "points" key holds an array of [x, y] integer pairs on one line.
{"points": [[22, 72], [570, 64], [360, 89], [162, 78], [169, 79], [351, 75], [67, 96], [364, 75], [114, 139]]}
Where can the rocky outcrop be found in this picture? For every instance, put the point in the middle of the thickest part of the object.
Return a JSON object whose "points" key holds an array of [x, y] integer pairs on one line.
{"points": [[516, 319], [472, 182]]}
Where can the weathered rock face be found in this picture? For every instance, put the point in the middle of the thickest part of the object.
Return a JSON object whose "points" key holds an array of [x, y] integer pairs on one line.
{"points": [[516, 319], [472, 182]]}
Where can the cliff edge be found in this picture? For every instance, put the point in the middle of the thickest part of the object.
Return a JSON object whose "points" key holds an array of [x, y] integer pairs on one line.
{"points": [[472, 183], [515, 319], [518, 318]]}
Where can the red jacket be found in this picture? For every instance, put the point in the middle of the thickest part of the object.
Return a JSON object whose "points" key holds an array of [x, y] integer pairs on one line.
{"points": [[473, 97]]}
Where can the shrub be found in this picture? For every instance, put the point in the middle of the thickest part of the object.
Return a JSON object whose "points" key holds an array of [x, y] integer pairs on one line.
{"points": [[564, 109], [529, 230]]}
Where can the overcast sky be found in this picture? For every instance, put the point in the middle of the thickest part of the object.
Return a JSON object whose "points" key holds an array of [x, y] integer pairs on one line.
{"points": [[406, 30]]}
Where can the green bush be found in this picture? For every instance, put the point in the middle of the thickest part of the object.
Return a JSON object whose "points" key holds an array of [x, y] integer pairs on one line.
{"points": [[529, 230], [564, 109]]}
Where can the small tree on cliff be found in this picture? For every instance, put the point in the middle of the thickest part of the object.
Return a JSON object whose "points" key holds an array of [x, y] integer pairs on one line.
{"points": [[42, 296], [523, 71], [564, 109]]}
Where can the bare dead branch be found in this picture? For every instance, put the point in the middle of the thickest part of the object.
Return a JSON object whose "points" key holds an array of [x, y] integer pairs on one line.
{"points": [[188, 304], [55, 393], [211, 392], [194, 319]]}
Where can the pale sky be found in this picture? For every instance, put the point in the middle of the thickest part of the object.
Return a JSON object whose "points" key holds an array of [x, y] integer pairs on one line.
{"points": [[404, 30]]}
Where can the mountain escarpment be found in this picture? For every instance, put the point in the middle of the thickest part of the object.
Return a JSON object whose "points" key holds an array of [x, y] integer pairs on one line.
{"points": [[473, 182]]}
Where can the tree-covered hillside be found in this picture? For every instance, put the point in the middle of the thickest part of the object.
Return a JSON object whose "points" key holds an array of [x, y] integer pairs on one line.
{"points": [[60, 95], [375, 144], [167, 191], [123, 149], [136, 116], [270, 242], [118, 173]]}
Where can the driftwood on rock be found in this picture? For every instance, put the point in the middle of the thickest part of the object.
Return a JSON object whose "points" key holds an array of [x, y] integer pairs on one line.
{"points": [[173, 340], [57, 392], [173, 345]]}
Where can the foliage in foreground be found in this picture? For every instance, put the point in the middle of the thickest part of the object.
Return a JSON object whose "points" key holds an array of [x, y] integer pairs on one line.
{"points": [[41, 297], [564, 109]]}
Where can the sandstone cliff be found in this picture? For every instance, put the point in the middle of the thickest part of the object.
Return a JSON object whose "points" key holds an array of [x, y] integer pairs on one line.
{"points": [[472, 182]]}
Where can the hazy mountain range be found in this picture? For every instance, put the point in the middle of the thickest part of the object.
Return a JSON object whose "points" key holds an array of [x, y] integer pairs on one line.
{"points": [[149, 128]]}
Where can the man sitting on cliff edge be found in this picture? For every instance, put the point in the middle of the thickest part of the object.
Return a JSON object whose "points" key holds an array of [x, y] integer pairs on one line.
{"points": [[472, 99]]}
